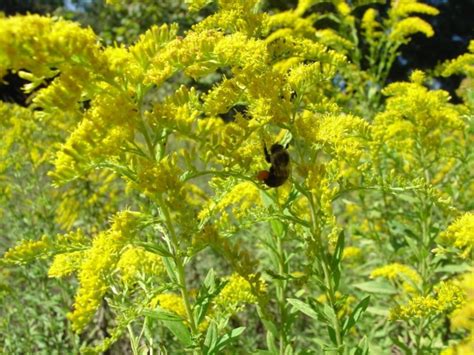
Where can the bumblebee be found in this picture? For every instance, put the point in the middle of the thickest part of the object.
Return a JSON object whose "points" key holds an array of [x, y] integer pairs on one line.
{"points": [[279, 158]]}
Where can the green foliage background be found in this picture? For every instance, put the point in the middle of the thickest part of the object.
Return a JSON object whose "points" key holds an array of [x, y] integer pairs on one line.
{"points": [[129, 177]]}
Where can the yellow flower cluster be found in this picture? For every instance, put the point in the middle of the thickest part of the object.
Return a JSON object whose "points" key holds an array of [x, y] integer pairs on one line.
{"points": [[464, 64], [235, 294], [136, 261], [28, 250], [447, 297], [409, 26], [17, 128], [417, 117], [351, 253], [160, 177], [105, 130], [102, 196], [234, 16], [37, 43], [460, 235], [403, 8], [171, 302], [196, 5], [344, 303], [370, 24], [98, 263], [66, 263], [245, 196], [403, 26], [463, 317], [395, 272]]}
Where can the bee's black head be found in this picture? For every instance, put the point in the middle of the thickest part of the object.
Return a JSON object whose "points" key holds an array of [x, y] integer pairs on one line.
{"points": [[276, 148]]}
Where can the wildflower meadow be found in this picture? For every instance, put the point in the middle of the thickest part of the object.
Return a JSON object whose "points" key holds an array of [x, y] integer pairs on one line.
{"points": [[238, 180]]}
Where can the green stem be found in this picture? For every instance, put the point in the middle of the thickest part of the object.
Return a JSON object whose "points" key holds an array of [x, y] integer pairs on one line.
{"points": [[281, 291], [324, 262], [179, 262]]}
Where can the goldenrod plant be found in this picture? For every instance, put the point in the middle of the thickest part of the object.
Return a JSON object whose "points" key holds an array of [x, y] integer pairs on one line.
{"points": [[252, 185]]}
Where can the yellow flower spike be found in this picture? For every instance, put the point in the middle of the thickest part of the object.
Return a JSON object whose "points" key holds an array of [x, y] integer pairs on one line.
{"points": [[370, 24], [464, 64], [342, 7], [222, 97], [151, 42], [28, 250], [403, 8], [409, 26], [331, 39], [417, 77], [414, 116], [196, 5]]}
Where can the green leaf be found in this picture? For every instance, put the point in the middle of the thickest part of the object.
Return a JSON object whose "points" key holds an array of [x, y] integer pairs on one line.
{"points": [[292, 196], [173, 322], [161, 314], [304, 308], [378, 311], [271, 343], [362, 348], [337, 256], [269, 325], [378, 286], [155, 248], [289, 350], [332, 334], [355, 315], [211, 337], [229, 337], [276, 276], [278, 228], [209, 290], [453, 269], [180, 331]]}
